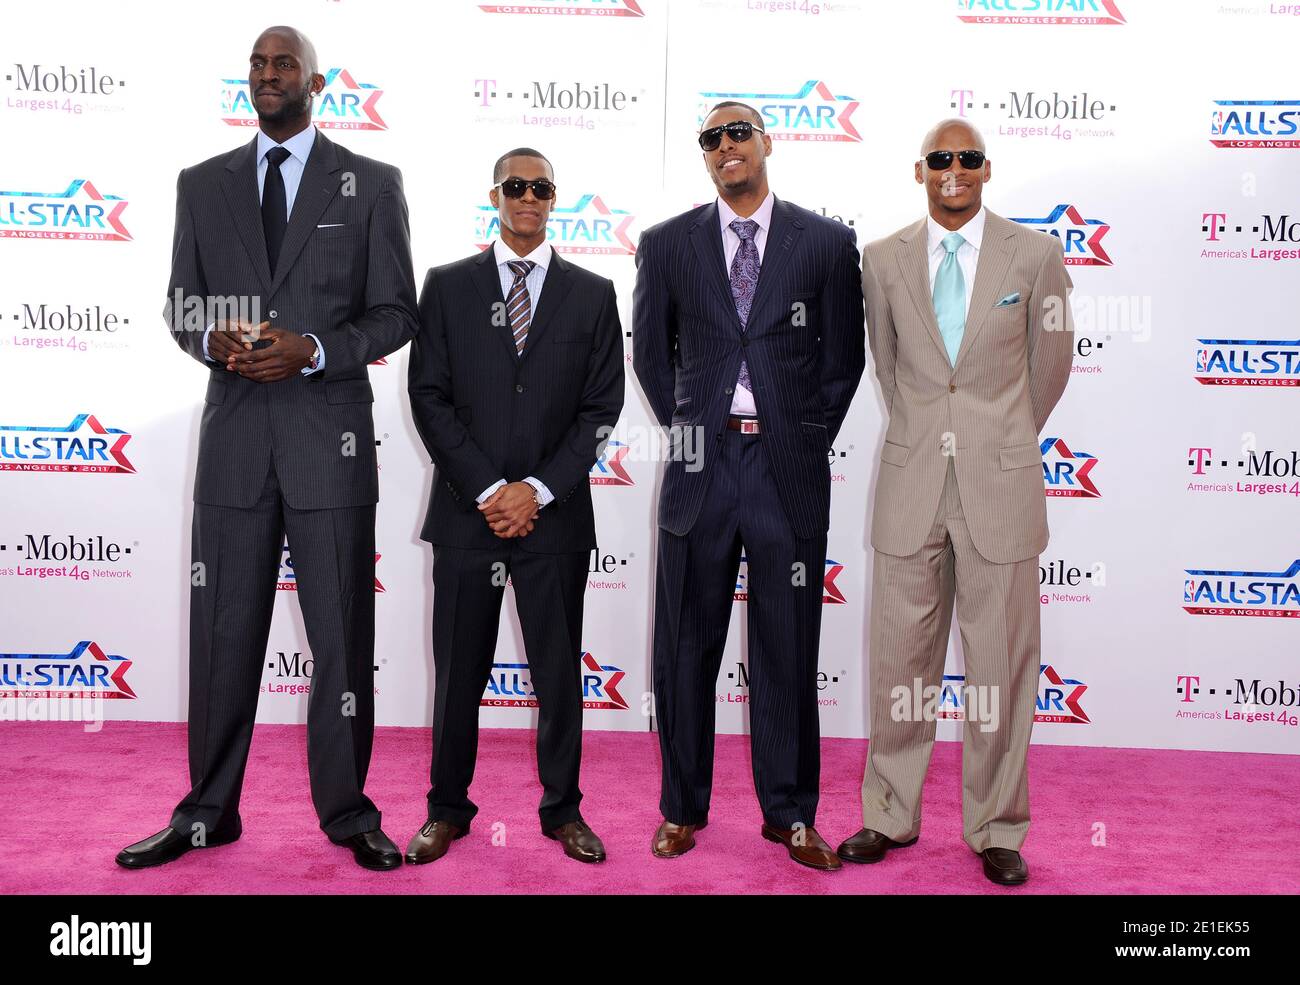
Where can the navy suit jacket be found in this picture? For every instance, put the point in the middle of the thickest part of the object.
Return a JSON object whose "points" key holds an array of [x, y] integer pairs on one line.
{"points": [[804, 343]]}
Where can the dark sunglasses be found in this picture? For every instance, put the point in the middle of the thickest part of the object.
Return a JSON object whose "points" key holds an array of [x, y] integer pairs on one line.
{"points": [[515, 187], [738, 132], [939, 160]]}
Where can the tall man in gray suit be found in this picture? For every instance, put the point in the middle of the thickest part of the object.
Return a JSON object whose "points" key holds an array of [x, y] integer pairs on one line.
{"points": [[968, 320], [315, 238]]}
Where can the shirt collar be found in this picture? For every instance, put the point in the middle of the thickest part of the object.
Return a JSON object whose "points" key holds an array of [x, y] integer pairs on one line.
{"points": [[972, 232], [503, 254], [299, 145], [763, 214]]}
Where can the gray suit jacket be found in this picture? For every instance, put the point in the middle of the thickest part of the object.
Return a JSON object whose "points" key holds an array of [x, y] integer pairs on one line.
{"points": [[1011, 369], [350, 283]]}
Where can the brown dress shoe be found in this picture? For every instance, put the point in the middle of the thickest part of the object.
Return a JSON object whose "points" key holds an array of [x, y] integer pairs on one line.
{"points": [[868, 846], [1004, 866], [672, 840], [806, 847], [432, 841], [579, 841]]}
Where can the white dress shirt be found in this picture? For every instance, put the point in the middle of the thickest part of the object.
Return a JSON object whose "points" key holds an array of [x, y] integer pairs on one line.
{"points": [[541, 256], [291, 168], [742, 403], [968, 254]]}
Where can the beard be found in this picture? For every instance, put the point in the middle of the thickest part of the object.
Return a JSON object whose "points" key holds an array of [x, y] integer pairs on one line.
{"points": [[294, 105]]}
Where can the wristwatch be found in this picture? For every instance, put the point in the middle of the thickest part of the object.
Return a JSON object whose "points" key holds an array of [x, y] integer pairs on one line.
{"points": [[314, 362]]}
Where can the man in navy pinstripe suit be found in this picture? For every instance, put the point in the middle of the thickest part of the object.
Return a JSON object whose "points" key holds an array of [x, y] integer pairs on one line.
{"points": [[747, 328], [316, 237]]}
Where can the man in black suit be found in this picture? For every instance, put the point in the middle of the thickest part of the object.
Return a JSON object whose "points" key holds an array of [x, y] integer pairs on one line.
{"points": [[516, 382], [314, 238], [747, 329]]}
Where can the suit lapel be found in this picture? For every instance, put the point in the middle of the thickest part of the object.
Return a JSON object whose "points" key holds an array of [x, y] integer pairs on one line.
{"points": [[317, 187], [781, 239], [706, 239], [239, 185], [915, 265], [555, 287], [996, 251], [487, 281]]}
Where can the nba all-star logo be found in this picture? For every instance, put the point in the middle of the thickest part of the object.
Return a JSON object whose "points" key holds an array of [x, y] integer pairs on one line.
{"points": [[80, 211], [592, 8], [1040, 12], [831, 592], [1080, 238], [1248, 123], [288, 581], [1270, 594], [344, 103], [1067, 473], [510, 686], [589, 226], [814, 112], [1248, 362], [1059, 698], [87, 671], [85, 445], [609, 469]]}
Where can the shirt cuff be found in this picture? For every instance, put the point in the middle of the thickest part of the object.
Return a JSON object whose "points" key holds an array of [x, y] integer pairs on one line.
{"points": [[489, 491], [320, 360], [544, 497], [206, 332]]}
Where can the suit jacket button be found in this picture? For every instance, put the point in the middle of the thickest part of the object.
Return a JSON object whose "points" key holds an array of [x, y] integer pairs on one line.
{"points": [[519, 388], [273, 313], [952, 387], [728, 391]]}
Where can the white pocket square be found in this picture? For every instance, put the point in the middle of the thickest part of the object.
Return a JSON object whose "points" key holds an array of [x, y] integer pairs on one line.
{"points": [[332, 225], [1009, 299]]}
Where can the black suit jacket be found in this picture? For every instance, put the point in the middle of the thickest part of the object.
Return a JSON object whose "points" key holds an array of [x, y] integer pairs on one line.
{"points": [[804, 343], [486, 414], [350, 284]]}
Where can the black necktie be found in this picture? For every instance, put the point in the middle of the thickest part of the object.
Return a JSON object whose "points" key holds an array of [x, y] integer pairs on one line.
{"points": [[275, 204]]}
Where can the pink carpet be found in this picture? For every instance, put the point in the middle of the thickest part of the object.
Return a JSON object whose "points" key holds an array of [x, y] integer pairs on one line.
{"points": [[1175, 822]]}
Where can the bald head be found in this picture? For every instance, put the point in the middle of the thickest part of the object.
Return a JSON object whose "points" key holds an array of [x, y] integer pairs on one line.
{"points": [[952, 134], [292, 38]]}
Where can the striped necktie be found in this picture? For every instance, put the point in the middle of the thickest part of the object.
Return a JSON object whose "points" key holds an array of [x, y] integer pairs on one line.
{"points": [[519, 308]]}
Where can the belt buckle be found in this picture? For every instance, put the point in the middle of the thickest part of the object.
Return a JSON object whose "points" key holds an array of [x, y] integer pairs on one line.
{"points": [[749, 425]]}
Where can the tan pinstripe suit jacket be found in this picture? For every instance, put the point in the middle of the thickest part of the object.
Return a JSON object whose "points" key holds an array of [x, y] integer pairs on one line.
{"points": [[1011, 369]]}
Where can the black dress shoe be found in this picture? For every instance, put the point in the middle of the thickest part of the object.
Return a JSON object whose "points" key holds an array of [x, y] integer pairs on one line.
{"points": [[579, 841], [1004, 866], [168, 845], [868, 846], [372, 850]]}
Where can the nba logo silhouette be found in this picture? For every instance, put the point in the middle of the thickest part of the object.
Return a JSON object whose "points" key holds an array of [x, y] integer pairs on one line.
{"points": [[1216, 121], [1202, 360], [1189, 590]]}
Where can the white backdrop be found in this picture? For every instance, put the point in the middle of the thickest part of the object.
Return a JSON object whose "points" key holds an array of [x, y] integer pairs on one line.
{"points": [[1171, 597]]}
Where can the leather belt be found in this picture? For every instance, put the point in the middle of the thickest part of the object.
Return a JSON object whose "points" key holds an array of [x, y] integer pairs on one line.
{"points": [[745, 425]]}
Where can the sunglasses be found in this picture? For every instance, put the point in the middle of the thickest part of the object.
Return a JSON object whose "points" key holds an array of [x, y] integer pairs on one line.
{"points": [[939, 160], [737, 132], [515, 187]]}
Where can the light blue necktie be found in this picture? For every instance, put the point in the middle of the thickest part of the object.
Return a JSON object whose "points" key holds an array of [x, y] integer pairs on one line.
{"points": [[950, 297]]}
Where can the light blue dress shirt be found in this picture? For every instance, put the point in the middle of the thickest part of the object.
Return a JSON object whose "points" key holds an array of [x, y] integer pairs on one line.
{"points": [[291, 168]]}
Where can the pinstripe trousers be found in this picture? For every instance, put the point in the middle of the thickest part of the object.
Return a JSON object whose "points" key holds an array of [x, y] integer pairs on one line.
{"points": [[230, 620], [998, 617], [695, 588]]}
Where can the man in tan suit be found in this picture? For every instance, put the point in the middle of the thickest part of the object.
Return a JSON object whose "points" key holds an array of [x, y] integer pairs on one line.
{"points": [[968, 320]]}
